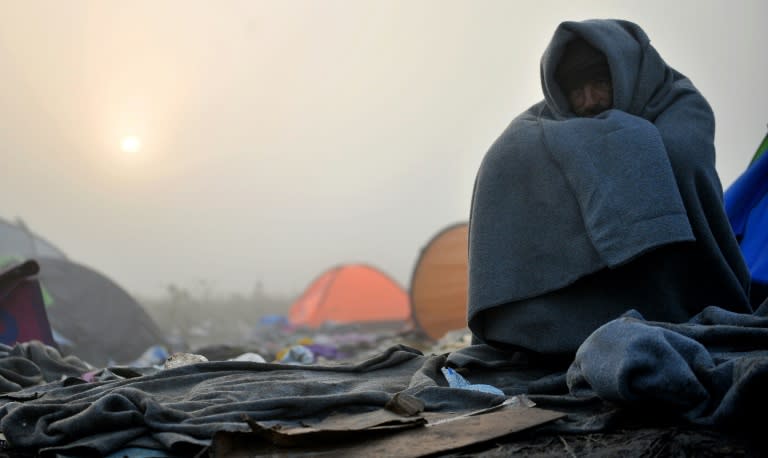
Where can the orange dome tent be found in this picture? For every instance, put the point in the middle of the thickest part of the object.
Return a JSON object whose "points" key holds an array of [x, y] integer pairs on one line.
{"points": [[439, 282], [350, 293]]}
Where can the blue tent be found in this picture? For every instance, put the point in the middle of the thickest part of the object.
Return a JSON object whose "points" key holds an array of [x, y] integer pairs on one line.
{"points": [[746, 202], [761, 149]]}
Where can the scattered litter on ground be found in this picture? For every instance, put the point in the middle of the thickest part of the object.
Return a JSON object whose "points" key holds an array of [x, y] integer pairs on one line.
{"points": [[183, 359]]}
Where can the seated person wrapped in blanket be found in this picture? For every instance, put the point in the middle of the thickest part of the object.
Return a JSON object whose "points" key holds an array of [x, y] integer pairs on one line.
{"points": [[601, 198]]}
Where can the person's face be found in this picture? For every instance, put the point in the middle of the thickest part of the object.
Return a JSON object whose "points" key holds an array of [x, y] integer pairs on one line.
{"points": [[591, 98]]}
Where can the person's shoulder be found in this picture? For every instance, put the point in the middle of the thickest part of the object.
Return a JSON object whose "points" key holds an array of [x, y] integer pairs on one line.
{"points": [[531, 115], [522, 132]]}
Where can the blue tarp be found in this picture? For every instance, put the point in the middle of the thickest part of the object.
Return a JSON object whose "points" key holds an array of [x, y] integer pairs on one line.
{"points": [[746, 202]]}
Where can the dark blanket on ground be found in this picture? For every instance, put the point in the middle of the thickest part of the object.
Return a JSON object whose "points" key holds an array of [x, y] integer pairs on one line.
{"points": [[591, 217], [177, 408], [709, 371], [32, 364]]}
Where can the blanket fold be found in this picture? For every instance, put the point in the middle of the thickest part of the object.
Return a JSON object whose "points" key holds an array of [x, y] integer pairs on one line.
{"points": [[711, 370], [619, 155]]}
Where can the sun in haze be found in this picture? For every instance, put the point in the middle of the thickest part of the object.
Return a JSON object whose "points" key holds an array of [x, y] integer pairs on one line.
{"points": [[130, 144]]}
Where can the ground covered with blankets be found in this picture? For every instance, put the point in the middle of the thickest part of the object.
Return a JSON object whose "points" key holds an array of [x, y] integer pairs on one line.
{"points": [[635, 388]]}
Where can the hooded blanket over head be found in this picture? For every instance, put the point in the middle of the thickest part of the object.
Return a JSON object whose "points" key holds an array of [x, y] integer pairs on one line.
{"points": [[575, 220]]}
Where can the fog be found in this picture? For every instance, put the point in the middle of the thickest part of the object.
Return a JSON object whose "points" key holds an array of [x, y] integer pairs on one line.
{"points": [[279, 139]]}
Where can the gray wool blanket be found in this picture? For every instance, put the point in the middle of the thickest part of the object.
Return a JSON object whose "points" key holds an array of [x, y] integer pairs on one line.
{"points": [[180, 409], [590, 217], [710, 371]]}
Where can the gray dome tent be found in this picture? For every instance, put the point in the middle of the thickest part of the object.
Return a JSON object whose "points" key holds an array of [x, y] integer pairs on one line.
{"points": [[16, 240], [101, 319]]}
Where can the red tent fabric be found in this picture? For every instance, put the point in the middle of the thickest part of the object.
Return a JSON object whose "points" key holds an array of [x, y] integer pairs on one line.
{"points": [[350, 293]]}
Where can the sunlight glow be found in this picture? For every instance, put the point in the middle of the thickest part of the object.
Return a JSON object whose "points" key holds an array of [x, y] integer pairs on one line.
{"points": [[130, 144]]}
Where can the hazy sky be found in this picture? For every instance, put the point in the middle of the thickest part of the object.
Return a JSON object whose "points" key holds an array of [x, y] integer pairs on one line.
{"points": [[280, 138]]}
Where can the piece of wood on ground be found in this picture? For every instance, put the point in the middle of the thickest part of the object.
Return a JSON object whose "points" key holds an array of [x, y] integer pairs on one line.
{"points": [[414, 442], [335, 428]]}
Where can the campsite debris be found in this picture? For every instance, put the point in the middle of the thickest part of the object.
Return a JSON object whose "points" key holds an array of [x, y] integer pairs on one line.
{"points": [[452, 341], [328, 343], [155, 355], [274, 320], [250, 357], [455, 380], [179, 359], [297, 354], [307, 351], [325, 351], [225, 352]]}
